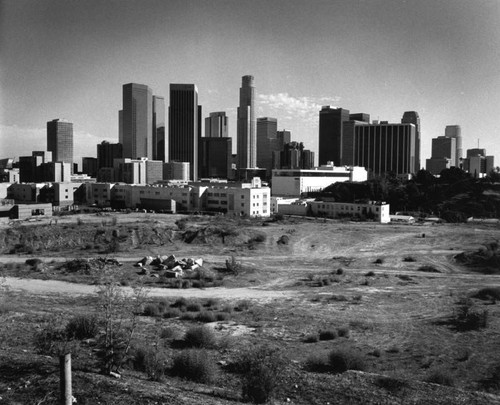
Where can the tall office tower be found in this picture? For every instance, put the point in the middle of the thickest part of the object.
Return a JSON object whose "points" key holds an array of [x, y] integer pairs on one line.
{"points": [[443, 155], [247, 131], [159, 146], [216, 125], [184, 126], [216, 157], [381, 148], [454, 131], [267, 143], [307, 159], [137, 121], [284, 137], [411, 117], [107, 152], [331, 134], [120, 127], [60, 140]]}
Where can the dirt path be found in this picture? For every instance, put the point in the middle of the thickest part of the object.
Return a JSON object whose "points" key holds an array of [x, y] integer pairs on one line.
{"points": [[49, 287]]}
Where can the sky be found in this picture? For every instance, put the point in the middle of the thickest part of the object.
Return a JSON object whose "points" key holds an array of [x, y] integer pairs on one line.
{"points": [[69, 59]]}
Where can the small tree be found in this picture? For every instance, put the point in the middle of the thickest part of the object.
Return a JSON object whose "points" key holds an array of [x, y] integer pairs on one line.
{"points": [[119, 313]]}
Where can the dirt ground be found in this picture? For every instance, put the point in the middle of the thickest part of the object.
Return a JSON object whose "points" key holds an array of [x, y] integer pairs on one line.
{"points": [[363, 277]]}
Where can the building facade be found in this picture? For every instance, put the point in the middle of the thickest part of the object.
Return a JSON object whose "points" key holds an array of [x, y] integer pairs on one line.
{"points": [[184, 123], [443, 155], [247, 130], [267, 143], [216, 125], [215, 157], [381, 147], [295, 182], [107, 153], [159, 144], [377, 211], [176, 171], [412, 117], [60, 140], [137, 121], [455, 132], [331, 134]]}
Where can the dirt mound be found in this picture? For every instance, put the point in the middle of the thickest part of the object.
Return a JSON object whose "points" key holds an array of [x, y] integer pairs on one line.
{"points": [[485, 260]]}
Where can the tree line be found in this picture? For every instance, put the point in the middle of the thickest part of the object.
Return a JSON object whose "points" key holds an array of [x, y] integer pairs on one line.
{"points": [[453, 196]]}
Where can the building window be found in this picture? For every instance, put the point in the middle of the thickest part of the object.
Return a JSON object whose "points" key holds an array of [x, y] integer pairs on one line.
{"points": [[242, 204]]}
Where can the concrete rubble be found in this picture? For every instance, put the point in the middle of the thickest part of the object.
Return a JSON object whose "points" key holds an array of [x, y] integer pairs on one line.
{"points": [[170, 266]]}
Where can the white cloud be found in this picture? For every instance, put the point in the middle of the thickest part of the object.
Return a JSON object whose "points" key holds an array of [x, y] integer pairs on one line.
{"points": [[305, 110]]}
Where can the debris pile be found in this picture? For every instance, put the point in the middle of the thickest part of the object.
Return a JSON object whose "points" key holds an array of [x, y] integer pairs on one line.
{"points": [[170, 266]]}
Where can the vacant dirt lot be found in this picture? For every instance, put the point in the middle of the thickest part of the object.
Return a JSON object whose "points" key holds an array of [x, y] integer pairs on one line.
{"points": [[396, 290]]}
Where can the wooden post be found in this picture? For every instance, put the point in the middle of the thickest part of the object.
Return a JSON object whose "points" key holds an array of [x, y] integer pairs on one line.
{"points": [[65, 379]]}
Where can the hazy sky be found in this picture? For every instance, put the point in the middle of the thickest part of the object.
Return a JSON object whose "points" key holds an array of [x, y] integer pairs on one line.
{"points": [[69, 59]]}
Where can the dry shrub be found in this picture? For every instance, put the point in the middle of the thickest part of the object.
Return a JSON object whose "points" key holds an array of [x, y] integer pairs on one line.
{"points": [[82, 327], [201, 337], [343, 360], [262, 370], [195, 365]]}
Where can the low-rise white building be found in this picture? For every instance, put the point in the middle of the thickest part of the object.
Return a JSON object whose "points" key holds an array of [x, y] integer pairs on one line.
{"points": [[295, 182], [379, 211], [251, 199]]}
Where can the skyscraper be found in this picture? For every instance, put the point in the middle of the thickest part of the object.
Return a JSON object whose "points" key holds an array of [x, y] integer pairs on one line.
{"points": [[184, 126], [247, 131], [267, 142], [159, 146], [454, 131], [216, 125], [380, 147], [411, 117], [107, 152], [137, 121], [443, 154], [331, 134], [215, 157], [60, 140]]}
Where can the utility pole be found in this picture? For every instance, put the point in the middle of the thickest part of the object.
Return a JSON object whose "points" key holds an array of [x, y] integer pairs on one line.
{"points": [[65, 379]]}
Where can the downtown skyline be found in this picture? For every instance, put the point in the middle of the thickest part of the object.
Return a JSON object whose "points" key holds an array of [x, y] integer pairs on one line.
{"points": [[70, 60]]}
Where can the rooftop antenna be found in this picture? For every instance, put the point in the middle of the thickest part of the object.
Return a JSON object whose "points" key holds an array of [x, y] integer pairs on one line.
{"points": [[478, 143]]}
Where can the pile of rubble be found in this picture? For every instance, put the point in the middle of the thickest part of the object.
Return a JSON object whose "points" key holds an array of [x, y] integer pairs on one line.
{"points": [[170, 266]]}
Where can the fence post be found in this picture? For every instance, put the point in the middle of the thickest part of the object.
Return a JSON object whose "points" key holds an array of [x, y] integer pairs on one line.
{"points": [[65, 379]]}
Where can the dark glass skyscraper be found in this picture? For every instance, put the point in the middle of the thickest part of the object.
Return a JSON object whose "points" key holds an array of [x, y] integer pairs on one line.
{"points": [[247, 131], [60, 140], [331, 134], [137, 121], [107, 152], [184, 126], [159, 146], [267, 142]]}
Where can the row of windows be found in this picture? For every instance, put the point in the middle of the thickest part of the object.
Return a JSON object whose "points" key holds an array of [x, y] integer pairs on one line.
{"points": [[342, 207]]}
